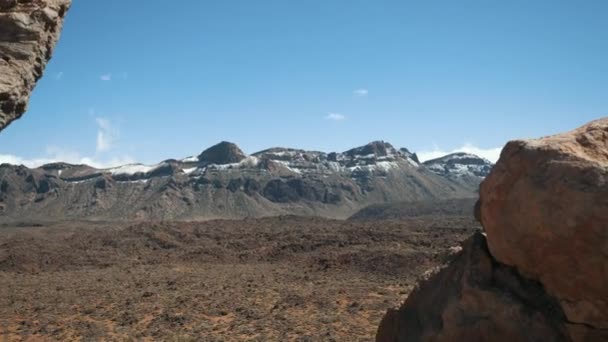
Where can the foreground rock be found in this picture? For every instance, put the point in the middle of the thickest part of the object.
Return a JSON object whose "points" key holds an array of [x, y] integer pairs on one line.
{"points": [[543, 274], [475, 299], [28, 33], [545, 210]]}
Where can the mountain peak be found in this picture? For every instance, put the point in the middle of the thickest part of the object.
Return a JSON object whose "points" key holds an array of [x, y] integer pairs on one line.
{"points": [[460, 164], [460, 158], [378, 148], [223, 153], [410, 155]]}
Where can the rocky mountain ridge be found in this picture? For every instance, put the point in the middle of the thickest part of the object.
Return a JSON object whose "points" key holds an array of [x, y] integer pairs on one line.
{"points": [[224, 182]]}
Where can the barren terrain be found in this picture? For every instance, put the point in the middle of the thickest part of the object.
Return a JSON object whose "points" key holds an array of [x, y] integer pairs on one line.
{"points": [[274, 279]]}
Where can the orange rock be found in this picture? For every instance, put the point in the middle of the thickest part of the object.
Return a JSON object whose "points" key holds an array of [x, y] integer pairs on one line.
{"points": [[543, 275], [475, 299], [544, 208]]}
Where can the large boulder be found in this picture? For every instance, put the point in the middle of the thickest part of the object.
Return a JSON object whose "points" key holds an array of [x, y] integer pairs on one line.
{"points": [[541, 271], [475, 299], [544, 208], [29, 31]]}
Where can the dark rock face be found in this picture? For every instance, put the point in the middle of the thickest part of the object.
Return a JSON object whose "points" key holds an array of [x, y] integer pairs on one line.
{"points": [[475, 299], [29, 31], [293, 190], [541, 273], [409, 154], [376, 148], [222, 153]]}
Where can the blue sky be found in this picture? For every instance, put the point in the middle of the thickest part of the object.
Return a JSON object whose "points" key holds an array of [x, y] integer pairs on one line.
{"points": [[147, 81]]}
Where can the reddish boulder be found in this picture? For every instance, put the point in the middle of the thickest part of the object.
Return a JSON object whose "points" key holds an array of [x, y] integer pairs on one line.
{"points": [[542, 272], [544, 208], [475, 299]]}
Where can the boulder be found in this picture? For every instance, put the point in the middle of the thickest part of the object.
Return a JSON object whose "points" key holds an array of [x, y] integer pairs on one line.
{"points": [[29, 31], [540, 273], [475, 299], [544, 208]]}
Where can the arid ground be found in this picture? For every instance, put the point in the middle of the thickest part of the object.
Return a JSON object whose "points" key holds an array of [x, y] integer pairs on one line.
{"points": [[274, 279]]}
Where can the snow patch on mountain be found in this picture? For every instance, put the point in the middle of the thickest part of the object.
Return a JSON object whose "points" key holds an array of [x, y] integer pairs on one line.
{"points": [[192, 159], [131, 169], [460, 165], [189, 170], [248, 162]]}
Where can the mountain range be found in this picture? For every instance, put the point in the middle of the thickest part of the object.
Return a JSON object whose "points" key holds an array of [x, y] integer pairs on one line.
{"points": [[224, 182]]}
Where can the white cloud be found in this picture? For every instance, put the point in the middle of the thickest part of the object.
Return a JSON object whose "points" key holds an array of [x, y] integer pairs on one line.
{"points": [[55, 154], [360, 92], [335, 117], [106, 134], [106, 77], [491, 154], [106, 137]]}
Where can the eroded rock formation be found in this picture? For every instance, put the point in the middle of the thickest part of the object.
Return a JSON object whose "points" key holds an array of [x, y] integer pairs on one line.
{"points": [[542, 274], [29, 30]]}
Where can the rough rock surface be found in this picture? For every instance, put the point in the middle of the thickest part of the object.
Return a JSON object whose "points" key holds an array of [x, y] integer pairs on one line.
{"points": [[545, 210], [542, 275], [475, 299], [29, 30]]}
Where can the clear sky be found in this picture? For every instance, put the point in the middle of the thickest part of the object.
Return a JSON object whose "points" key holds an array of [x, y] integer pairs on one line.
{"points": [[150, 80]]}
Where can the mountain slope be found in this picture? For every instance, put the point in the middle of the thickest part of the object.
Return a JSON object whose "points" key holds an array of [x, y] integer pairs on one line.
{"points": [[403, 210], [224, 182]]}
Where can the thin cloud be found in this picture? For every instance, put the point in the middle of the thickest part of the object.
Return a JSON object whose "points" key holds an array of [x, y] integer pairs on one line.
{"points": [[335, 117], [106, 134], [360, 92], [491, 154], [106, 77], [59, 75]]}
